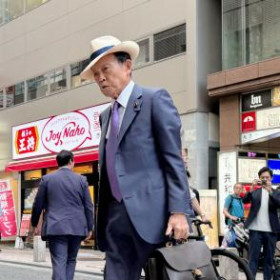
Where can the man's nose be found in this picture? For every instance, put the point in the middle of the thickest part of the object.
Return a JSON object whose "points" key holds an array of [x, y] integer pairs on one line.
{"points": [[101, 78]]}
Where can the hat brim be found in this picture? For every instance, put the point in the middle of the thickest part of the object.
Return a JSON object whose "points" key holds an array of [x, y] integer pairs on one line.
{"points": [[129, 47]]}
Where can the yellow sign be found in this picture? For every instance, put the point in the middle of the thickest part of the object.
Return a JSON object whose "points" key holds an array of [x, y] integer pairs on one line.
{"points": [[276, 96]]}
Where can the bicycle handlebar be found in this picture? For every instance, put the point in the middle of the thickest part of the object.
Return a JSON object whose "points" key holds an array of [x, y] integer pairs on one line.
{"points": [[239, 220], [199, 222]]}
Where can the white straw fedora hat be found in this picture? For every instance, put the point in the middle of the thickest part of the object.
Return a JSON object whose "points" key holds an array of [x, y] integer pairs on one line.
{"points": [[104, 45]]}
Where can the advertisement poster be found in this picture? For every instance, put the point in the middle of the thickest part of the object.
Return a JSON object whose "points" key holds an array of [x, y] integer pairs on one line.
{"points": [[71, 131], [227, 179], [8, 224], [25, 225]]}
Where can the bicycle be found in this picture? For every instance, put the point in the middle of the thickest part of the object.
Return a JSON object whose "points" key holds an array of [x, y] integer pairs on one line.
{"points": [[244, 269]]}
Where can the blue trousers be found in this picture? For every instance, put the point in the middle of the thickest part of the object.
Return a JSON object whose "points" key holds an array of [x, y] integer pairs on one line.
{"points": [[267, 240], [64, 250], [126, 251]]}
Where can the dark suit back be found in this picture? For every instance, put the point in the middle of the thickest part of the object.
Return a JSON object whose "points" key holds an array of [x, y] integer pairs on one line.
{"points": [[274, 203], [65, 198]]}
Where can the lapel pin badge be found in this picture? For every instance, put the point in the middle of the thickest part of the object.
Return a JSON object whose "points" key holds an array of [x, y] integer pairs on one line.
{"points": [[136, 106]]}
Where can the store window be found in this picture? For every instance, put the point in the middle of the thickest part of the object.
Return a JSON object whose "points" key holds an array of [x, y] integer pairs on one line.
{"points": [[58, 80], [37, 87], [33, 174], [31, 4], [250, 31], [9, 96], [170, 42], [144, 54], [76, 69], [15, 94], [1, 99]]}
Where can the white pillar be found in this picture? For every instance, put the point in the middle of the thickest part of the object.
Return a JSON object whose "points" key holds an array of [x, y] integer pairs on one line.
{"points": [[39, 249]]}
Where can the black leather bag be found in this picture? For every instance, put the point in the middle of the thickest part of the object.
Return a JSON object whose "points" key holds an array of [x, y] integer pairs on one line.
{"points": [[188, 261]]}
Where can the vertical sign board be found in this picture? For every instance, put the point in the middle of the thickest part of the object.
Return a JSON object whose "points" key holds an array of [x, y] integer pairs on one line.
{"points": [[227, 179], [8, 224]]}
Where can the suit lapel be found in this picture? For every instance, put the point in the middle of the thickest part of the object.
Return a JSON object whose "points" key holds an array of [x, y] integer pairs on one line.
{"points": [[133, 107], [105, 117]]}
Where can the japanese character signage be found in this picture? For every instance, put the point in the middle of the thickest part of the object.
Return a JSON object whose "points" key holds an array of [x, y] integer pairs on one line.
{"points": [[248, 169], [227, 179], [269, 118], [71, 131], [8, 224], [27, 140], [248, 121]]}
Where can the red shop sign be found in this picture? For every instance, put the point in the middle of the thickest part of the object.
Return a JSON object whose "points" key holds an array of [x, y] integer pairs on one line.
{"points": [[248, 122]]}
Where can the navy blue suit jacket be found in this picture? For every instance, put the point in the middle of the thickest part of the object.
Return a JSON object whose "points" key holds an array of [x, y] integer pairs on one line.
{"points": [[65, 198], [274, 203], [149, 165]]}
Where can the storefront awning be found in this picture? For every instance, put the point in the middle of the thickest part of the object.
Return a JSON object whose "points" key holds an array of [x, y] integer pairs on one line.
{"points": [[50, 161]]}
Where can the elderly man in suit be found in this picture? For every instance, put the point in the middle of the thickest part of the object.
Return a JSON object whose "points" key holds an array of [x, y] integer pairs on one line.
{"points": [[68, 214], [263, 221], [143, 192]]}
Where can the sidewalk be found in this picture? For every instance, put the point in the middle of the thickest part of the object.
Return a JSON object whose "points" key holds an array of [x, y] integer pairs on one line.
{"points": [[89, 260]]}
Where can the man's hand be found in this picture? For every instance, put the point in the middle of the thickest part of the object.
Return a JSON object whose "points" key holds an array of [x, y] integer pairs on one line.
{"points": [[256, 182], [233, 218], [268, 186], [204, 218], [178, 225], [89, 236]]}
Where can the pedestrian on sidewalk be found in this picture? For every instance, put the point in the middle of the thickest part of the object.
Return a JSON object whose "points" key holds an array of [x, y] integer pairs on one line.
{"points": [[194, 194], [64, 198], [234, 208], [262, 221], [143, 184]]}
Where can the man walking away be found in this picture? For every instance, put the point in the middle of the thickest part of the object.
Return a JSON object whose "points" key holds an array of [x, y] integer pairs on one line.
{"points": [[64, 198]]}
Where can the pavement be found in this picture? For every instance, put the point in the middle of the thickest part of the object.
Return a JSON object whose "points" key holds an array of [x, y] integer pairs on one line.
{"points": [[88, 261]]}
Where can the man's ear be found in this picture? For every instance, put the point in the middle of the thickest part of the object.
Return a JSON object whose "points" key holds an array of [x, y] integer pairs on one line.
{"points": [[128, 65]]}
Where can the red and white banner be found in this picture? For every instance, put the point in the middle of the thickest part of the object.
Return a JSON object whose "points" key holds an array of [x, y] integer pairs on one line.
{"points": [[71, 131], [8, 225]]}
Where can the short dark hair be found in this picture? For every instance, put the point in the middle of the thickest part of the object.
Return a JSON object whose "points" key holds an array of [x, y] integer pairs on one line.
{"points": [[265, 169], [122, 57], [64, 157]]}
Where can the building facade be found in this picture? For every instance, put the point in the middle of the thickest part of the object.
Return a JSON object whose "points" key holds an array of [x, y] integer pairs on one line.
{"points": [[248, 91], [44, 45]]}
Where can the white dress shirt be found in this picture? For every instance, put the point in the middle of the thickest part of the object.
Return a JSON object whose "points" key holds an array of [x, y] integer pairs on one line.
{"points": [[123, 101]]}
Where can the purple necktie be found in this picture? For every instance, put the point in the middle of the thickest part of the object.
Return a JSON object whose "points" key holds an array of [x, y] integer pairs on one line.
{"points": [[111, 148]]}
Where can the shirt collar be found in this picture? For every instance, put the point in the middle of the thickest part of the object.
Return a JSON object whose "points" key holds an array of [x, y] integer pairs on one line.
{"points": [[125, 94]]}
